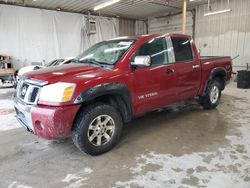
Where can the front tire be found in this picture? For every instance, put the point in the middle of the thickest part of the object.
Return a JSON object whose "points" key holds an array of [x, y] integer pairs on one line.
{"points": [[212, 96], [97, 128]]}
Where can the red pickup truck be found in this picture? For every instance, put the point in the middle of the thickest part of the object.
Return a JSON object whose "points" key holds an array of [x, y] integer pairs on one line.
{"points": [[114, 81]]}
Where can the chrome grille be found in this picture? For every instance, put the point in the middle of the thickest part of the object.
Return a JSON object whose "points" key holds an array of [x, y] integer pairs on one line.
{"points": [[27, 92]]}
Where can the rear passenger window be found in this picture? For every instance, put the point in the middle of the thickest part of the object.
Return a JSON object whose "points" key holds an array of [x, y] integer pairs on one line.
{"points": [[182, 49], [157, 49]]}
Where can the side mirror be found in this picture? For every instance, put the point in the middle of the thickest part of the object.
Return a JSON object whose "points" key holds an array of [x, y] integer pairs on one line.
{"points": [[142, 61]]}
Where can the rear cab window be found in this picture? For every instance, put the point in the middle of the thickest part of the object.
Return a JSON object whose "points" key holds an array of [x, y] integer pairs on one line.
{"points": [[183, 51]]}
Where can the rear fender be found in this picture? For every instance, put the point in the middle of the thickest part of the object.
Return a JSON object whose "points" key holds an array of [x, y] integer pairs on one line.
{"points": [[216, 72]]}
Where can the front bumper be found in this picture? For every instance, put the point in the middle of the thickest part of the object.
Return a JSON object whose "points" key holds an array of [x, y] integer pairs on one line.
{"points": [[46, 121], [23, 114]]}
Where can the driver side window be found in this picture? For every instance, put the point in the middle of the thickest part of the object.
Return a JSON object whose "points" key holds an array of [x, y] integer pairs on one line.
{"points": [[156, 49]]}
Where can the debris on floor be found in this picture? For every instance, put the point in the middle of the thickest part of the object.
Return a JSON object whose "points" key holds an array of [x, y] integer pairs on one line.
{"points": [[7, 112]]}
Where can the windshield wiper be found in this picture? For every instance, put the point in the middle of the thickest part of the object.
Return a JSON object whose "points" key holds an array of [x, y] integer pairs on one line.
{"points": [[90, 61]]}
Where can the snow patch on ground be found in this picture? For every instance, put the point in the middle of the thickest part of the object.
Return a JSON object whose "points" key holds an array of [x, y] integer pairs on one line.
{"points": [[88, 170], [8, 120], [16, 185], [6, 90], [74, 180], [195, 170], [3, 92], [6, 104], [77, 180], [227, 167]]}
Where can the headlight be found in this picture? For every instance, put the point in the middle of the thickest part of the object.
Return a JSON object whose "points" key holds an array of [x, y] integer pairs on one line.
{"points": [[58, 92]]}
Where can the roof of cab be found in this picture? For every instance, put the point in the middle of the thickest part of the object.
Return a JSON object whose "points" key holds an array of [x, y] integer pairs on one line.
{"points": [[149, 36]]}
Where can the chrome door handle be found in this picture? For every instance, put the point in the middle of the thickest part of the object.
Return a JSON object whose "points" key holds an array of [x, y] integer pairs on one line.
{"points": [[169, 71], [196, 66]]}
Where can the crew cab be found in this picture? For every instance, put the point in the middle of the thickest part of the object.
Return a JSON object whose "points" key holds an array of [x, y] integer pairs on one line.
{"points": [[114, 81]]}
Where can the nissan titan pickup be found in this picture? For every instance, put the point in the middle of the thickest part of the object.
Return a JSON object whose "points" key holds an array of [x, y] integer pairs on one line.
{"points": [[114, 81]]}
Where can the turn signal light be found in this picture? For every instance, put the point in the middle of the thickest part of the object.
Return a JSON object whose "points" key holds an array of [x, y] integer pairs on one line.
{"points": [[67, 94]]}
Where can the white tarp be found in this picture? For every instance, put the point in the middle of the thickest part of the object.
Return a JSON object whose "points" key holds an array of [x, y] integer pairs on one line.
{"points": [[31, 35], [106, 28]]}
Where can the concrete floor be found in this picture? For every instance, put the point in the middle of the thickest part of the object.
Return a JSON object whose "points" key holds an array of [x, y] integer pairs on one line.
{"points": [[182, 146]]}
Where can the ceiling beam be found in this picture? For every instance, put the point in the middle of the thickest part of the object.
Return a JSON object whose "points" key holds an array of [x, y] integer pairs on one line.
{"points": [[84, 12], [165, 5]]}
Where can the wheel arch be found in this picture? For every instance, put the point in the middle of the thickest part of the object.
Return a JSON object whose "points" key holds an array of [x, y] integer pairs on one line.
{"points": [[218, 73], [115, 94]]}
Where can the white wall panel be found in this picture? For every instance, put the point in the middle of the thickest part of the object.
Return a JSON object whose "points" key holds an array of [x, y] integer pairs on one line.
{"points": [[107, 28], [170, 24], [225, 34], [35, 35]]}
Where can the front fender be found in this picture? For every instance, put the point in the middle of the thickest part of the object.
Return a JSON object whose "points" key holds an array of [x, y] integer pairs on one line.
{"points": [[109, 89]]}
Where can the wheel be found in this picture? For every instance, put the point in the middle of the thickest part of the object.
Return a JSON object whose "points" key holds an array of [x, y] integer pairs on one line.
{"points": [[97, 128], [212, 96]]}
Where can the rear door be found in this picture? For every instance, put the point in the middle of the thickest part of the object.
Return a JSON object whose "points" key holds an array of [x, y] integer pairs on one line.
{"points": [[154, 85], [187, 67]]}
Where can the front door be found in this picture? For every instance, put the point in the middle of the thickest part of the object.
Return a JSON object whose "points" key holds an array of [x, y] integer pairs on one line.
{"points": [[154, 85]]}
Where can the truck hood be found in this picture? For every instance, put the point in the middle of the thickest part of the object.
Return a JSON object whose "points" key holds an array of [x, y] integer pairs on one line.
{"points": [[66, 73]]}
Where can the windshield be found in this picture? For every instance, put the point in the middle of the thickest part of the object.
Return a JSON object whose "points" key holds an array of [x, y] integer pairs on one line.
{"points": [[107, 52], [55, 62]]}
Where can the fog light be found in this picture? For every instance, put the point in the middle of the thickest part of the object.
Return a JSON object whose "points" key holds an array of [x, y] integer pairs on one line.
{"points": [[39, 125]]}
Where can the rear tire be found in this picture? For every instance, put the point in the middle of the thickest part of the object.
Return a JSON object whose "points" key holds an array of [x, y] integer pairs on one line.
{"points": [[97, 128], [212, 96]]}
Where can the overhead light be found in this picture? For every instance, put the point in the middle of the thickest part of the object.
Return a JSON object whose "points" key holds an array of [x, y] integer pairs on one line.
{"points": [[103, 5], [218, 12]]}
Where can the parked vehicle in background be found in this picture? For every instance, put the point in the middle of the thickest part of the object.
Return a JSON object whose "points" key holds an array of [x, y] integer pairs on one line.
{"points": [[56, 62], [114, 81], [7, 72]]}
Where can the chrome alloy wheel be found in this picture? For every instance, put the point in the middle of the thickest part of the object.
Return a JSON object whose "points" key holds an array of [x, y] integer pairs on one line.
{"points": [[101, 130], [214, 94]]}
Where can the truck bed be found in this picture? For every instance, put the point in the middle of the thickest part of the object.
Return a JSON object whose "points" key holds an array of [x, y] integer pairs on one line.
{"points": [[211, 58], [210, 62], [216, 61]]}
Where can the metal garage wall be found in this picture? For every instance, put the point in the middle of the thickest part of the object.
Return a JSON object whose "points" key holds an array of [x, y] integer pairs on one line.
{"points": [[132, 27], [126, 27], [225, 34], [170, 24], [140, 27]]}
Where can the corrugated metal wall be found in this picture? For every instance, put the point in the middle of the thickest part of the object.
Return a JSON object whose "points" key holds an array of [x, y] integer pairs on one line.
{"points": [[170, 24], [225, 34], [126, 27], [140, 27]]}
